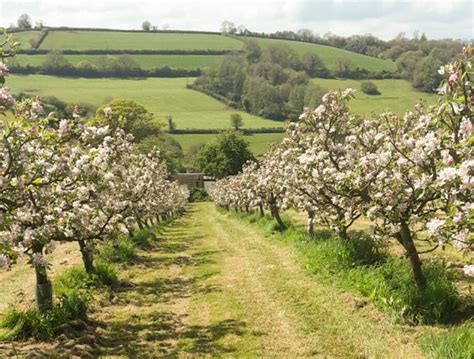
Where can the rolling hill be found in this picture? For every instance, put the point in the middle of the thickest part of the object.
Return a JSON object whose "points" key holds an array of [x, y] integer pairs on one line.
{"points": [[170, 97]]}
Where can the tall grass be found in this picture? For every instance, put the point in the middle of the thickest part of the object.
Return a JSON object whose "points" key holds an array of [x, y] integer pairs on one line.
{"points": [[456, 343], [25, 324]]}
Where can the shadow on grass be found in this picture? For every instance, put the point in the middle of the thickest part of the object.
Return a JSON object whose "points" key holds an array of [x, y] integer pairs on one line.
{"points": [[141, 319]]}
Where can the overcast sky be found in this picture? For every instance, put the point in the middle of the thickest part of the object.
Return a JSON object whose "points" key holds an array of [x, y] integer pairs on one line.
{"points": [[382, 18]]}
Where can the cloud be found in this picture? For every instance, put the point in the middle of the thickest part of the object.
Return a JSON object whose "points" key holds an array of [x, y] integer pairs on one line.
{"points": [[382, 18]]}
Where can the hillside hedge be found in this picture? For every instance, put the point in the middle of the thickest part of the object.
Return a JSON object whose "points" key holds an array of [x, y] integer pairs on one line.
{"points": [[126, 52], [72, 71]]}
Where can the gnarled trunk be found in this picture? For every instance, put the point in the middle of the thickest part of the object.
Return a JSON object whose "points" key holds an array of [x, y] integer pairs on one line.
{"points": [[310, 225], [412, 253], [260, 208], [44, 289], [87, 256]]}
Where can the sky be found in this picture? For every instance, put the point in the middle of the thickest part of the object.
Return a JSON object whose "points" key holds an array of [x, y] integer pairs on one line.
{"points": [[382, 18]]}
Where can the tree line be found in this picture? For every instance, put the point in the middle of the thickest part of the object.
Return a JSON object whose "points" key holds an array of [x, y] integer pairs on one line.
{"points": [[56, 63], [416, 58], [273, 82]]}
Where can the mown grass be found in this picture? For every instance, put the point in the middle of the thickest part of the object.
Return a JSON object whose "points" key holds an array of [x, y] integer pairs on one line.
{"points": [[162, 96], [329, 54], [362, 265], [74, 289], [258, 143], [396, 96], [188, 62], [105, 40]]}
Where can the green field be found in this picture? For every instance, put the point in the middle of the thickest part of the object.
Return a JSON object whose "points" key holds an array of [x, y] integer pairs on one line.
{"points": [[162, 96], [105, 40], [258, 142], [24, 38], [144, 61], [329, 54], [396, 95]]}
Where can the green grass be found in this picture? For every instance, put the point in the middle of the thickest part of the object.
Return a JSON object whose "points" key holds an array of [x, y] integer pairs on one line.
{"points": [[24, 38], [88, 40], [455, 343], [144, 61], [163, 97], [364, 266], [329, 54], [259, 143], [396, 95]]}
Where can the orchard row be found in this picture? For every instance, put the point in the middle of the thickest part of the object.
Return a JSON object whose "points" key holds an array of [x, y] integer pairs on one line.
{"points": [[64, 181], [412, 176]]}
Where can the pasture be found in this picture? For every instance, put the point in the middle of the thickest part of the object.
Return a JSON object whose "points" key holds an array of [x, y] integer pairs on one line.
{"points": [[396, 96], [329, 54], [25, 37], [106, 40], [146, 62], [162, 96]]}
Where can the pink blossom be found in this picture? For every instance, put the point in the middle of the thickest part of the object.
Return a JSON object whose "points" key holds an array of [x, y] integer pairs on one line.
{"points": [[434, 226], [453, 78], [3, 69], [466, 126]]}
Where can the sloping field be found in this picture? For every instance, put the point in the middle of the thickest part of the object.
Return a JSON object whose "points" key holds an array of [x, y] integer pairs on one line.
{"points": [[106, 40], [396, 95], [144, 61], [329, 54], [162, 96], [24, 38]]}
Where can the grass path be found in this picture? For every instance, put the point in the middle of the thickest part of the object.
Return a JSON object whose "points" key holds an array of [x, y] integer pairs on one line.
{"points": [[214, 286]]}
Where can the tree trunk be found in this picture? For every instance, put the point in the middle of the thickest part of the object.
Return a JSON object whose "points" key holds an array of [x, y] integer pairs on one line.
{"points": [[260, 208], [129, 230], [87, 257], [247, 210], [276, 215], [44, 290], [140, 224], [412, 253], [310, 227], [342, 233]]}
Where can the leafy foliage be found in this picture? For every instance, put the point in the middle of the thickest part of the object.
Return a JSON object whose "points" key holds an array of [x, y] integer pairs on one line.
{"points": [[224, 157]]}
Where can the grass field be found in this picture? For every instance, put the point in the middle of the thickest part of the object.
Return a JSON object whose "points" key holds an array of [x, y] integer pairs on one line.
{"points": [[329, 54], [216, 286], [163, 97], [396, 95], [144, 61], [258, 142], [88, 40], [24, 38]]}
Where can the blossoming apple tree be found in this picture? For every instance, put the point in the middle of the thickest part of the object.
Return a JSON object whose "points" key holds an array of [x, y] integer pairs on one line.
{"points": [[412, 175], [63, 181]]}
